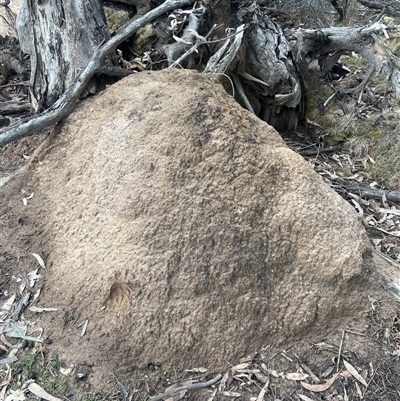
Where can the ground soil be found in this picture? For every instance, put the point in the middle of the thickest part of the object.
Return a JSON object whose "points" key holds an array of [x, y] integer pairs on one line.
{"points": [[59, 174]]}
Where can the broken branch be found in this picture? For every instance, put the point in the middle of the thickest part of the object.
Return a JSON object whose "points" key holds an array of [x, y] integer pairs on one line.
{"points": [[187, 387]]}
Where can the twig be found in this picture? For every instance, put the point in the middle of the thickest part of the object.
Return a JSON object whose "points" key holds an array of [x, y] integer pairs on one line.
{"points": [[187, 387], [355, 332], [14, 84], [340, 351], [308, 370], [199, 41], [372, 378], [226, 76]]}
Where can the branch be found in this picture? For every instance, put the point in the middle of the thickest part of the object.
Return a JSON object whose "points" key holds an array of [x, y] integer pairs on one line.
{"points": [[366, 192], [392, 8], [317, 43], [187, 387], [66, 103]]}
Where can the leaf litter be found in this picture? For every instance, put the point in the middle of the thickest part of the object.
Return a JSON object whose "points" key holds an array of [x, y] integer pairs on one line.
{"points": [[273, 374], [14, 326]]}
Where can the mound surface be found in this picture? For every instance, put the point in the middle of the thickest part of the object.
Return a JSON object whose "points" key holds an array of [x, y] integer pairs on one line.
{"points": [[185, 231]]}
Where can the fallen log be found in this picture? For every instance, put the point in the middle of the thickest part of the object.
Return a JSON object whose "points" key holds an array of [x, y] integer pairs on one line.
{"points": [[366, 192]]}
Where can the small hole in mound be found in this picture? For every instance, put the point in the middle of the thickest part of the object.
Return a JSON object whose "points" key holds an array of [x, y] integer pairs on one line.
{"points": [[119, 297]]}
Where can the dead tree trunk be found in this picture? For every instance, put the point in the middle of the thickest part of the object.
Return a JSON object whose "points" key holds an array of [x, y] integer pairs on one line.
{"points": [[325, 43], [60, 37], [254, 63], [387, 7], [277, 93]]}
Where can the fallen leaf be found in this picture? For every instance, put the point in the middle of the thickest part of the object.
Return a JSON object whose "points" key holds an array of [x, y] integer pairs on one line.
{"points": [[231, 394], [317, 388], [296, 376], [27, 338], [40, 310], [66, 371], [262, 392], [8, 304], [359, 392], [39, 259], [393, 233], [178, 396], [261, 377], [16, 395], [84, 327], [39, 392], [354, 373], [304, 397], [241, 366]]}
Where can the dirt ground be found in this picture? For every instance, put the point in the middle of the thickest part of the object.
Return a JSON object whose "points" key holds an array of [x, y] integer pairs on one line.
{"points": [[366, 339]]}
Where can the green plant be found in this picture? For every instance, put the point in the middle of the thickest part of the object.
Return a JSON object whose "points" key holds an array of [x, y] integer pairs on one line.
{"points": [[50, 379], [23, 369], [67, 317]]}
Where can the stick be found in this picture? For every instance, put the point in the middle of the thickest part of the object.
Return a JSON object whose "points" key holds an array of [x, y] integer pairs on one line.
{"points": [[367, 192], [340, 351], [187, 387]]}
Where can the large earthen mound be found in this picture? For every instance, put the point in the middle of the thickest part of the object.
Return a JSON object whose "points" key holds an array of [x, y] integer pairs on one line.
{"points": [[185, 230]]}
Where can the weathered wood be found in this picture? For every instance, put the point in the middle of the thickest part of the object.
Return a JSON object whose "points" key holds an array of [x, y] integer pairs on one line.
{"points": [[261, 67], [388, 7], [60, 37], [66, 103], [363, 40], [366, 192], [14, 107]]}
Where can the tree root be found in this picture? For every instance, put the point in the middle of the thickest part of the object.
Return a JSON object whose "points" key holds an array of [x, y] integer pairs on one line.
{"points": [[322, 42]]}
